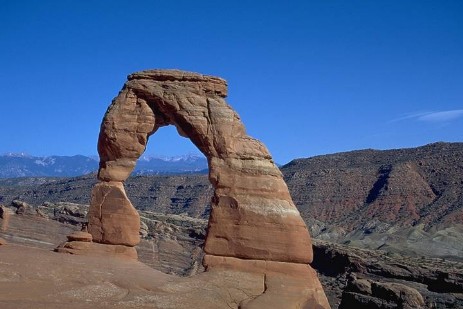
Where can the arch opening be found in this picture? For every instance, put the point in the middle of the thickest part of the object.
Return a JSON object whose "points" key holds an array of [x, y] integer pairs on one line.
{"points": [[168, 153]]}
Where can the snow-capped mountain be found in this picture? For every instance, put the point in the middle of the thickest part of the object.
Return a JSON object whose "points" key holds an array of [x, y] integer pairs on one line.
{"points": [[192, 157], [58, 166], [17, 155], [190, 163], [24, 165]]}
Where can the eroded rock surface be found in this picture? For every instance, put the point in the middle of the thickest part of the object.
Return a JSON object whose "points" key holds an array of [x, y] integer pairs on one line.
{"points": [[112, 218], [359, 278], [173, 245], [253, 216]]}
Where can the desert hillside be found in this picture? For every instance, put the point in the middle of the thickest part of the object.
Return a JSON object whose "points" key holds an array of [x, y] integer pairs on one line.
{"points": [[403, 187], [399, 200]]}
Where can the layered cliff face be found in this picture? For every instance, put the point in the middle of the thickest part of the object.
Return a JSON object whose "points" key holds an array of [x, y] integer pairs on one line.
{"points": [[393, 199], [402, 201], [404, 187]]}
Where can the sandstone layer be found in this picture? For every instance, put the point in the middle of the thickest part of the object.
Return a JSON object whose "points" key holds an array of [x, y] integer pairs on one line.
{"points": [[172, 244], [253, 216], [112, 218]]}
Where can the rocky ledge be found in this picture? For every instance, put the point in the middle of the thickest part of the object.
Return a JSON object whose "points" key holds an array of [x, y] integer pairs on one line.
{"points": [[351, 277]]}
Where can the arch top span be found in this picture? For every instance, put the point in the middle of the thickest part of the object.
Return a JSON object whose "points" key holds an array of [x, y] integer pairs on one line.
{"points": [[208, 83], [252, 216]]}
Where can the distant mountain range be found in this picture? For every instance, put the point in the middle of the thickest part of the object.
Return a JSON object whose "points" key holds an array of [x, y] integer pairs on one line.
{"points": [[14, 165]]}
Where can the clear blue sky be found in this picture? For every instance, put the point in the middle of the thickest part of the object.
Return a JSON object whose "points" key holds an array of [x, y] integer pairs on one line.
{"points": [[306, 77]]}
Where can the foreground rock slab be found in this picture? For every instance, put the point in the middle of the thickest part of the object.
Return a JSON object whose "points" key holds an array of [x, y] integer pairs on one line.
{"points": [[80, 247], [37, 278], [354, 276]]}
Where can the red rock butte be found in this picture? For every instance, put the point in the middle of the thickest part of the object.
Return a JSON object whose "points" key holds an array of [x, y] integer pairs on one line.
{"points": [[254, 224]]}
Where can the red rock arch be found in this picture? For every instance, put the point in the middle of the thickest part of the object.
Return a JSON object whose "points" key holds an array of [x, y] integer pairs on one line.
{"points": [[253, 215]]}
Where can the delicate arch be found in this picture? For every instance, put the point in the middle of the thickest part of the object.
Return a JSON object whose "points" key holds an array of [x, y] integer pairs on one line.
{"points": [[252, 217]]}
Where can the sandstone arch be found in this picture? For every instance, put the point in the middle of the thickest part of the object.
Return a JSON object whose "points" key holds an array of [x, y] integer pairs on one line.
{"points": [[253, 215], [253, 221], [254, 229], [254, 225]]}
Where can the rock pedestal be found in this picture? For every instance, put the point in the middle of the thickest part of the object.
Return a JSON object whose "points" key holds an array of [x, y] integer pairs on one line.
{"points": [[111, 218], [80, 236], [253, 220], [83, 247]]}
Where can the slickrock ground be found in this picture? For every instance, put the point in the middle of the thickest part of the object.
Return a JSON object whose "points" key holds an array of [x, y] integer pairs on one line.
{"points": [[33, 276], [39, 278], [172, 244]]}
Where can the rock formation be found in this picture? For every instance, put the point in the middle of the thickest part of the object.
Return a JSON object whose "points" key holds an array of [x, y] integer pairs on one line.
{"points": [[362, 293], [174, 246], [5, 215], [253, 226], [360, 278]]}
